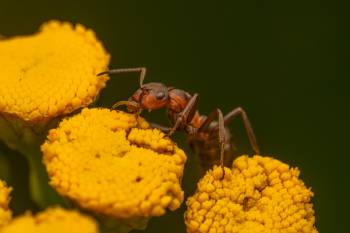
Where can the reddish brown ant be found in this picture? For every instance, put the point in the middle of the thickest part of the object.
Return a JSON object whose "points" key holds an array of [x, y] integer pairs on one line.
{"points": [[181, 109]]}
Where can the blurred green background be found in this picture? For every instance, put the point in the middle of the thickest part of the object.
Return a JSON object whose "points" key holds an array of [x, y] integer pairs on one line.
{"points": [[283, 61]]}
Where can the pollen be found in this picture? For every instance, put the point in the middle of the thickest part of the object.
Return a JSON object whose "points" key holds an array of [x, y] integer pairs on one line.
{"points": [[258, 194], [5, 213], [114, 164], [52, 72], [53, 220]]}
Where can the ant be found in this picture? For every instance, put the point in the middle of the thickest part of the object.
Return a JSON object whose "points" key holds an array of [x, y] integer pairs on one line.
{"points": [[202, 130]]}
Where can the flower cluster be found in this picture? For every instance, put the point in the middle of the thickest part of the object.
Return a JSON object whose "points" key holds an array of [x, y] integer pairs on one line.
{"points": [[112, 163], [52, 220], [5, 213], [259, 194], [44, 77]]}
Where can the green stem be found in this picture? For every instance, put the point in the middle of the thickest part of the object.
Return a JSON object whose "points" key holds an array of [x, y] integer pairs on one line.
{"points": [[26, 138], [41, 192], [5, 173]]}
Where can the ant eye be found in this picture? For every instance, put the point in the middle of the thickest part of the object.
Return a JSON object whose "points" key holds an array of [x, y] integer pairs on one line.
{"points": [[160, 95]]}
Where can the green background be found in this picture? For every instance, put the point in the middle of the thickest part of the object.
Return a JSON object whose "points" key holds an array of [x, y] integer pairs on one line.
{"points": [[283, 61]]}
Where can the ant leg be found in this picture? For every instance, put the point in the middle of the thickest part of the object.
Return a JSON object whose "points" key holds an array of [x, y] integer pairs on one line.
{"points": [[222, 139], [222, 132], [142, 71], [183, 116], [240, 112], [160, 127], [210, 118]]}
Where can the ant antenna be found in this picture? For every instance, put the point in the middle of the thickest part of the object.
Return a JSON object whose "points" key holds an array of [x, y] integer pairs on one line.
{"points": [[127, 103], [142, 71]]}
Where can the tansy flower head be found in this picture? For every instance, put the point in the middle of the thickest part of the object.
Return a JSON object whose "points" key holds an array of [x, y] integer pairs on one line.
{"points": [[259, 194], [112, 163], [53, 220], [5, 213], [50, 73]]}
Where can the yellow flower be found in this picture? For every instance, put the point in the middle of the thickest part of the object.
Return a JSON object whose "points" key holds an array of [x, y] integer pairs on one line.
{"points": [[53, 220], [259, 194], [5, 213], [50, 73], [44, 77], [112, 163]]}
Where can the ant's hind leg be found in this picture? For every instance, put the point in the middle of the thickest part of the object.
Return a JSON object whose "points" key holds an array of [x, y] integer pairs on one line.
{"points": [[240, 112], [222, 140], [222, 132]]}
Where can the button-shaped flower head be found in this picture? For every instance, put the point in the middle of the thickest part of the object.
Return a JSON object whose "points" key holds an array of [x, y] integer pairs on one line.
{"points": [[112, 163], [50, 73], [259, 194], [5, 213], [53, 220], [47, 75]]}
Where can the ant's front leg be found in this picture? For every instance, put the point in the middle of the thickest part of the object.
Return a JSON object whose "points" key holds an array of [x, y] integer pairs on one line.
{"points": [[164, 129], [189, 128], [183, 117]]}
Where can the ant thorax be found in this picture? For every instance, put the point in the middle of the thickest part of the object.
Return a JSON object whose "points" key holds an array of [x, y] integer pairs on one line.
{"points": [[178, 100]]}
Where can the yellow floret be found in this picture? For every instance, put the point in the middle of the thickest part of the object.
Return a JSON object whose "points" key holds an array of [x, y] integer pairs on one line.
{"points": [[258, 195], [50, 73], [53, 220], [5, 213], [112, 163]]}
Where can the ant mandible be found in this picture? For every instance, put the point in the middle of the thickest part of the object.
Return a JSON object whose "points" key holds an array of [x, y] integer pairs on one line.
{"points": [[202, 130]]}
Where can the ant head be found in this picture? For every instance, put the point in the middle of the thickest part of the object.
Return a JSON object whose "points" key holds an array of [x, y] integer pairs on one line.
{"points": [[151, 96]]}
